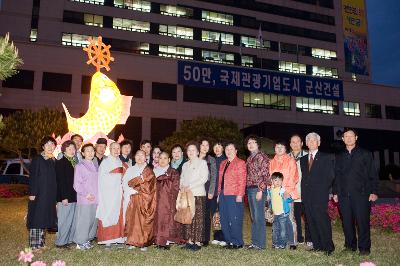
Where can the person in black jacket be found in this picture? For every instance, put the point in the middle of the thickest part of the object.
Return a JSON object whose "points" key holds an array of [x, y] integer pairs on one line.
{"points": [[355, 187], [66, 195], [317, 170], [42, 194]]}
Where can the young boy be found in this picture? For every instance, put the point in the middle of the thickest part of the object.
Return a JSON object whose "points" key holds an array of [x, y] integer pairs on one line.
{"points": [[282, 230]]}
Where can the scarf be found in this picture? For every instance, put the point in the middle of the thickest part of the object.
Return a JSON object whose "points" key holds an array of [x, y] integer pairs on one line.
{"points": [[73, 160], [175, 164], [123, 159]]}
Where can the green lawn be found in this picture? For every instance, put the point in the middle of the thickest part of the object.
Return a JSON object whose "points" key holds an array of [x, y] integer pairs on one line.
{"points": [[385, 249]]}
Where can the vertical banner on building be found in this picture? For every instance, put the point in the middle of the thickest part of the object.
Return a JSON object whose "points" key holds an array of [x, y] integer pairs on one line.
{"points": [[355, 36]]}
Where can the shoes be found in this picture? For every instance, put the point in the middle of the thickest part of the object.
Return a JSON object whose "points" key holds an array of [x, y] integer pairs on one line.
{"points": [[143, 249], [63, 246], [278, 247], [293, 247], [365, 252], [195, 247], [228, 246], [236, 246], [187, 246], [82, 246], [215, 242], [309, 244], [163, 247], [131, 247], [222, 243], [253, 247]]}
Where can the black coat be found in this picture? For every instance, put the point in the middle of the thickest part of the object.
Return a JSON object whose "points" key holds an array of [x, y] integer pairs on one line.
{"points": [[355, 173], [316, 184], [65, 180], [42, 184]]}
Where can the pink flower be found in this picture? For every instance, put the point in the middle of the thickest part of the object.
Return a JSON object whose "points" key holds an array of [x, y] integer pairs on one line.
{"points": [[38, 263], [58, 263], [25, 256], [367, 263]]}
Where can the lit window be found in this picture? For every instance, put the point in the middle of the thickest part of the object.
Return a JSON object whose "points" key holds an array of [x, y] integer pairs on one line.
{"points": [[247, 61], [351, 108], [324, 71], [176, 11], [79, 40], [138, 5], [325, 54], [94, 2], [176, 31], [266, 100], [33, 36], [131, 25], [314, 105], [212, 36], [144, 48], [216, 17], [353, 77], [252, 42], [292, 67], [218, 57], [93, 20], [175, 52]]}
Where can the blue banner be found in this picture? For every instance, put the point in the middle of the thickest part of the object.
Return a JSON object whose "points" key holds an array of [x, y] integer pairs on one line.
{"points": [[258, 80]]}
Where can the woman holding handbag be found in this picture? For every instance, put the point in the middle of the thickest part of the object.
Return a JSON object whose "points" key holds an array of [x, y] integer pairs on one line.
{"points": [[193, 178]]}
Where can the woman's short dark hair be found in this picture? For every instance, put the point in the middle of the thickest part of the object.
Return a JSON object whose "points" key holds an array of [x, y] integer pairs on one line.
{"points": [[144, 142], [66, 144], [231, 143], [253, 137], [194, 143], [280, 142], [218, 142], [87, 145], [77, 135], [126, 142], [176, 146], [47, 139]]}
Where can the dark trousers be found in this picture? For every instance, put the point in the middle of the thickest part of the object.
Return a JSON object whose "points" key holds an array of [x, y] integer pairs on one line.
{"points": [[218, 235], [299, 213], [319, 224], [231, 219], [355, 210], [207, 216]]}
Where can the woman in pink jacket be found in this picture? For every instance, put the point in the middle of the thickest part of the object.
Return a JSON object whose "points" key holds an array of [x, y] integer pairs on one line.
{"points": [[231, 189], [285, 164]]}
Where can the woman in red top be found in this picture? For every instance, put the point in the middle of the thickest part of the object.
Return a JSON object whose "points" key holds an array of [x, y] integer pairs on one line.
{"points": [[231, 189]]}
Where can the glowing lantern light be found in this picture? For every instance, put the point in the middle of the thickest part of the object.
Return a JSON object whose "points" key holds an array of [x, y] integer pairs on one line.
{"points": [[107, 107]]}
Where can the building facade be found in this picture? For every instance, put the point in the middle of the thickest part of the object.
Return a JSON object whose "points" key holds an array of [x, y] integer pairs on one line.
{"points": [[301, 38]]}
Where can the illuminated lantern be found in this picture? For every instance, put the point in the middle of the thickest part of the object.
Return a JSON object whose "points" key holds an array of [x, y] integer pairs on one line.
{"points": [[107, 107]]}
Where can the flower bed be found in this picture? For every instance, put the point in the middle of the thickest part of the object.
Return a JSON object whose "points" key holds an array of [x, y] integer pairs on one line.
{"points": [[386, 216], [13, 190]]}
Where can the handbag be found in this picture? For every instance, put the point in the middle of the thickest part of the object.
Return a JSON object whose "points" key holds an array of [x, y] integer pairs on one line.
{"points": [[216, 221], [269, 215], [183, 214]]}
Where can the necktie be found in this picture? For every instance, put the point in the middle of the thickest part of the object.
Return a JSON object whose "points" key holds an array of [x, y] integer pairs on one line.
{"points": [[310, 162]]}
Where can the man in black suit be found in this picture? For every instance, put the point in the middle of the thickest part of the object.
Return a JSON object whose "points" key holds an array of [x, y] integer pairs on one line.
{"points": [[317, 177], [356, 184]]}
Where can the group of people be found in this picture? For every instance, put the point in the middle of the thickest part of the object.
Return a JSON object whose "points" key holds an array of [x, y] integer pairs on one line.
{"points": [[122, 200]]}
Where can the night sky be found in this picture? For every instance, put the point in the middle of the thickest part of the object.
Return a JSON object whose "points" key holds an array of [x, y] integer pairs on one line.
{"points": [[384, 36]]}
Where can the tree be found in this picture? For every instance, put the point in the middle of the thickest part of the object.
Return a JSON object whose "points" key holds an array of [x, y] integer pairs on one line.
{"points": [[9, 60], [23, 130], [210, 128]]}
